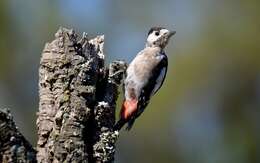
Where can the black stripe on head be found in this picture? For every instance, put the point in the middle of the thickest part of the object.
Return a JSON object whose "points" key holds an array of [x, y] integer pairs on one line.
{"points": [[154, 29]]}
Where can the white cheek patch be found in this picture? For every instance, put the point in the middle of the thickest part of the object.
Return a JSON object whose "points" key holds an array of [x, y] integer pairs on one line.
{"points": [[152, 38], [163, 31]]}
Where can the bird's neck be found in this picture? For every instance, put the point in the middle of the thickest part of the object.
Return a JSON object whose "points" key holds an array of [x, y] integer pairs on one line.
{"points": [[147, 45]]}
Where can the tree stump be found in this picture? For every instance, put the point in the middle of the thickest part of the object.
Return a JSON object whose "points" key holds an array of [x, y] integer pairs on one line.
{"points": [[77, 104]]}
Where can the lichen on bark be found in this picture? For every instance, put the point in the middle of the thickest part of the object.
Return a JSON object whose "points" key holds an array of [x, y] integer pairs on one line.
{"points": [[73, 125], [77, 105], [13, 146]]}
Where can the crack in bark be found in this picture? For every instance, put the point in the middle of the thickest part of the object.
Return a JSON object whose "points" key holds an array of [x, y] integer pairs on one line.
{"points": [[77, 105]]}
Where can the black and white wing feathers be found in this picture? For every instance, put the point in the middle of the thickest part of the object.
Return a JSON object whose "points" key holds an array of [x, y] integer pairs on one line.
{"points": [[155, 82], [160, 72]]}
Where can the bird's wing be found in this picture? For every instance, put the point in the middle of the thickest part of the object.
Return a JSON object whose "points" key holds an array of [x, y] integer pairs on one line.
{"points": [[161, 69], [156, 80]]}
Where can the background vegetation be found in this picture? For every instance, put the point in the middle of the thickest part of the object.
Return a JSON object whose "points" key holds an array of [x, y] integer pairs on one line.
{"points": [[209, 107]]}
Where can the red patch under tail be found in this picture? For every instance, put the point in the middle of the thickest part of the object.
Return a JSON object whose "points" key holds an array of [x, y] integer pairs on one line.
{"points": [[128, 108]]}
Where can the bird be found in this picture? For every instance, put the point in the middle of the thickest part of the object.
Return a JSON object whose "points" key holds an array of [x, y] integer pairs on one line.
{"points": [[144, 76]]}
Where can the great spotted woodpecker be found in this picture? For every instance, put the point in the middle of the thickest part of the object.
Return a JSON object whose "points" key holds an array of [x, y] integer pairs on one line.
{"points": [[145, 75]]}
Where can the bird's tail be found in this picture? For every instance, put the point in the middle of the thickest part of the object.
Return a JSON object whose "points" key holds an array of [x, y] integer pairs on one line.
{"points": [[130, 124], [122, 121], [119, 124], [128, 109]]}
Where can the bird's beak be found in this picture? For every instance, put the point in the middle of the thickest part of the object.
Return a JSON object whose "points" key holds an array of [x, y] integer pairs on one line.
{"points": [[171, 33]]}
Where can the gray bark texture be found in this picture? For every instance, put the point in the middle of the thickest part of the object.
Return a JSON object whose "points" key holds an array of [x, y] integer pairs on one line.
{"points": [[13, 146], [77, 103]]}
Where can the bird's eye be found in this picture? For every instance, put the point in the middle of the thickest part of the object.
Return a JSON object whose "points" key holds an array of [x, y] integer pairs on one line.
{"points": [[157, 33]]}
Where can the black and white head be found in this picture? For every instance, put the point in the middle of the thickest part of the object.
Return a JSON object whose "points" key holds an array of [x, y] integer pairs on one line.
{"points": [[158, 37]]}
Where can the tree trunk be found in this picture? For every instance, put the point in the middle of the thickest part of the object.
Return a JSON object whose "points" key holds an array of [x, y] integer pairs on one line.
{"points": [[13, 146], [77, 104]]}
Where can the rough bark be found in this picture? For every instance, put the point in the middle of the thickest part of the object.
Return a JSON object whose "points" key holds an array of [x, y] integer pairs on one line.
{"points": [[104, 113], [77, 101], [13, 146]]}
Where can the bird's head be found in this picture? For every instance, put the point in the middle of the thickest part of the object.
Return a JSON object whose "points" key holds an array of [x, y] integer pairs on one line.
{"points": [[158, 37]]}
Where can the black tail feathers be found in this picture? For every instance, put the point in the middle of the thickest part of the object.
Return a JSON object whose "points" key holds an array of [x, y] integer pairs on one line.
{"points": [[130, 124], [122, 122], [119, 124]]}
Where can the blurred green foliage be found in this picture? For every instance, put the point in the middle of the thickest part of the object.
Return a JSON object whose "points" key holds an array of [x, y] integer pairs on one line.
{"points": [[209, 107]]}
